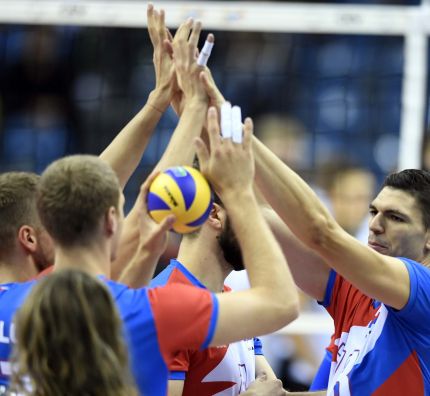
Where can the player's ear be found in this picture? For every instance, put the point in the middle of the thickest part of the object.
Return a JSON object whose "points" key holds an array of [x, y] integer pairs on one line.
{"points": [[27, 238], [427, 244], [216, 217], [111, 221]]}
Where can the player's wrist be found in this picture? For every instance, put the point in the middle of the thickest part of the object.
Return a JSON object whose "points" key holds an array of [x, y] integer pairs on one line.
{"points": [[236, 197], [159, 99], [195, 103]]}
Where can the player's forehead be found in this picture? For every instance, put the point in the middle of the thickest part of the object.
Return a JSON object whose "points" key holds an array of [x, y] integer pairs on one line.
{"points": [[391, 199]]}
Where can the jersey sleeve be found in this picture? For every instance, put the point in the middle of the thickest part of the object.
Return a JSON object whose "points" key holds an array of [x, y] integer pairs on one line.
{"points": [[179, 365], [416, 311], [338, 294], [185, 318], [343, 301]]}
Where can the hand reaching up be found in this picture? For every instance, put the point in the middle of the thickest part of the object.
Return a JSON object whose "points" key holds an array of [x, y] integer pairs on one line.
{"points": [[229, 166]]}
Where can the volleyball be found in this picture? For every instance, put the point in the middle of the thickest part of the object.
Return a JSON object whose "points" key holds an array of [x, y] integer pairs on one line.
{"points": [[184, 192]]}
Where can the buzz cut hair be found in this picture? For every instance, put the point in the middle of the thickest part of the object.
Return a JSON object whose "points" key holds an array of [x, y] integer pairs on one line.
{"points": [[74, 194], [17, 206]]}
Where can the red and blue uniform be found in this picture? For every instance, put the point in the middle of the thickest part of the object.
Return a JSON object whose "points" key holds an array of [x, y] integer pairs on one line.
{"points": [[379, 350], [225, 370], [158, 323]]}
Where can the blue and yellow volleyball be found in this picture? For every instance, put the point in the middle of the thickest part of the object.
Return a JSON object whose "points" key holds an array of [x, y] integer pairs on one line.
{"points": [[184, 192]]}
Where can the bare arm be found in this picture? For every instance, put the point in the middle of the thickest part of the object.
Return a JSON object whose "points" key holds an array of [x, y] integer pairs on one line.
{"points": [[125, 151], [272, 301], [179, 150], [152, 239], [262, 366], [381, 277], [309, 271]]}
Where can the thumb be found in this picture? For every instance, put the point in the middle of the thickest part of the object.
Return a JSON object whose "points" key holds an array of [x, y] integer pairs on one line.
{"points": [[208, 85], [166, 224], [202, 153]]}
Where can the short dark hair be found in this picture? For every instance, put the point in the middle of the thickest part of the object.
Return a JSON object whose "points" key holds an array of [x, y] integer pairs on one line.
{"points": [[416, 182], [74, 193], [17, 206]]}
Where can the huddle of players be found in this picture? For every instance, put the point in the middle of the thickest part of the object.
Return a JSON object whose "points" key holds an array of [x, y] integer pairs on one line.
{"points": [[378, 302]]}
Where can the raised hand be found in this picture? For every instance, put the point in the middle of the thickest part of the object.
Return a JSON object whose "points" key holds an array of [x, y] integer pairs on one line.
{"points": [[165, 77], [228, 166], [185, 59], [216, 99]]}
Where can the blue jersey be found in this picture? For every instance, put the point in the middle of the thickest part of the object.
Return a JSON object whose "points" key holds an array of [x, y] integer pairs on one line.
{"points": [[224, 370], [158, 323], [380, 351]]}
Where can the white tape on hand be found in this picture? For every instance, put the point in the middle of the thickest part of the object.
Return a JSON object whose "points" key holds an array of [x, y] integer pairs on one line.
{"points": [[236, 124], [226, 120], [205, 53]]}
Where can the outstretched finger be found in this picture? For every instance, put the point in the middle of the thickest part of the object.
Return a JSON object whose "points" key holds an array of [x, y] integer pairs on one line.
{"points": [[184, 29], [195, 35], [150, 21], [166, 224], [206, 51], [213, 128], [248, 131], [162, 18]]}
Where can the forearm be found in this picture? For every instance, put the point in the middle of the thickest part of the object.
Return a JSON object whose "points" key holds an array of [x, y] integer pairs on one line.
{"points": [[262, 367], [289, 195], [319, 393], [140, 270], [258, 245], [180, 150], [297, 204], [126, 150], [128, 244]]}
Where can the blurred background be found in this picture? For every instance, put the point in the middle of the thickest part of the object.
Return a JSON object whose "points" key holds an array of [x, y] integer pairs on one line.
{"points": [[342, 100]]}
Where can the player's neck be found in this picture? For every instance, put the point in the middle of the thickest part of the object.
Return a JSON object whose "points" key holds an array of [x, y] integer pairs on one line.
{"points": [[204, 263], [93, 259], [17, 268], [426, 261]]}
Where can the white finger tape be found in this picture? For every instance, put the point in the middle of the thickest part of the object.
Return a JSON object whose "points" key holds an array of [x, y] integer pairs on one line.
{"points": [[205, 53], [226, 110], [236, 124]]}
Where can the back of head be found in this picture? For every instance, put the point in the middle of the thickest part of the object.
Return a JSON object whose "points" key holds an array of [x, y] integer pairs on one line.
{"points": [[416, 182], [69, 339], [74, 194], [17, 206]]}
